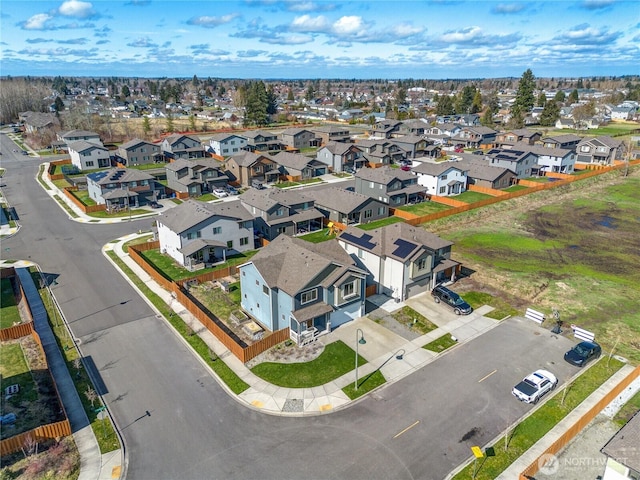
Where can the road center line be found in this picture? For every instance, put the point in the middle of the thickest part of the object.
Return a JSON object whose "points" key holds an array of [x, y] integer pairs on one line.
{"points": [[487, 376], [408, 428]]}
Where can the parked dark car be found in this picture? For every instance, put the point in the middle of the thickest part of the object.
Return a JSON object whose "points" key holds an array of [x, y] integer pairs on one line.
{"points": [[478, 152], [451, 298], [155, 205], [583, 353]]}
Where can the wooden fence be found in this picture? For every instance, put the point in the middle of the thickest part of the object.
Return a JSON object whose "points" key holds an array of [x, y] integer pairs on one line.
{"points": [[85, 208], [577, 427], [16, 331], [452, 202], [39, 434], [52, 168], [217, 327], [488, 191]]}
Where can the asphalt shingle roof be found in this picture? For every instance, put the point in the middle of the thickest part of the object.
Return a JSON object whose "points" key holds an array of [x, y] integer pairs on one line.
{"points": [[190, 213]]}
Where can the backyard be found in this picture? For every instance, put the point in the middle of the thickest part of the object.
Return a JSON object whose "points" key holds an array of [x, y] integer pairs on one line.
{"points": [[574, 249], [9, 313]]}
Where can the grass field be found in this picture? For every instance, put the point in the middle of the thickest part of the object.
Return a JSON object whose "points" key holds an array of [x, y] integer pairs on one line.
{"points": [[425, 208], [472, 197], [575, 250], [9, 313]]}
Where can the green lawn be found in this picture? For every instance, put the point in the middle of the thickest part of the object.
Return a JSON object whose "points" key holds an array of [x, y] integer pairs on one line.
{"points": [[534, 427], [380, 223], [611, 129], [425, 208], [365, 384], [336, 360], [515, 188], [9, 313], [319, 236], [471, 197], [171, 270], [628, 410], [83, 196], [501, 308], [414, 320], [440, 344]]}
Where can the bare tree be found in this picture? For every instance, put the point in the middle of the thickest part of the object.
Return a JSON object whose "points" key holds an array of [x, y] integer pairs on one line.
{"points": [[91, 395]]}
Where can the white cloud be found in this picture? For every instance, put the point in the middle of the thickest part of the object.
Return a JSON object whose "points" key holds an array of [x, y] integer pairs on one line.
{"points": [[76, 8], [348, 25], [406, 30], [308, 23], [211, 22], [37, 22]]}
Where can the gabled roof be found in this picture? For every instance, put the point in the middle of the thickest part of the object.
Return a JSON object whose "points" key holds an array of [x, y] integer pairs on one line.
{"points": [[190, 213], [509, 155], [543, 151], [329, 129], [83, 145], [221, 137], [436, 169], [384, 175], [481, 130], [134, 143], [174, 138], [482, 170], [291, 160], [339, 148], [118, 175], [412, 139], [568, 138], [268, 198], [290, 264], [400, 241], [624, 445], [246, 159], [603, 140], [338, 199], [196, 164], [294, 131], [79, 133], [257, 133]]}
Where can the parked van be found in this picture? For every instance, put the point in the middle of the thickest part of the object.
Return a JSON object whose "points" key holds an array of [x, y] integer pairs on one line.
{"points": [[255, 183]]}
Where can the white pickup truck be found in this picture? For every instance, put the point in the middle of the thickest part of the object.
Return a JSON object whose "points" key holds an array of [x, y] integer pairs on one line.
{"points": [[534, 386]]}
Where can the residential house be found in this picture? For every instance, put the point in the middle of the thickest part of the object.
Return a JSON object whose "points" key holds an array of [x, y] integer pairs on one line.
{"points": [[565, 123], [79, 135], [413, 127], [306, 287], [442, 179], [341, 157], [122, 188], [402, 260], [138, 152], [623, 452], [195, 177], [623, 112], [482, 174], [35, 122], [560, 160], [278, 211], [347, 207], [567, 142], [413, 145], [88, 156], [226, 144], [386, 128], [245, 167], [331, 133], [522, 162], [443, 129], [261, 141], [521, 135], [601, 150], [295, 166], [468, 119], [182, 146], [381, 152], [199, 235], [475, 137], [392, 186], [297, 138]]}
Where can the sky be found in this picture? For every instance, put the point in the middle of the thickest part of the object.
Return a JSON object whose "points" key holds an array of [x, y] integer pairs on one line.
{"points": [[286, 39]]}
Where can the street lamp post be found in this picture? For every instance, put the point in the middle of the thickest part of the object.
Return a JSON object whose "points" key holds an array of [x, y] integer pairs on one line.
{"points": [[359, 341], [128, 202]]}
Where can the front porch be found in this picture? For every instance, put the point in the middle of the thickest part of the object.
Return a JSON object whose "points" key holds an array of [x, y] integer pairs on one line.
{"points": [[307, 324]]}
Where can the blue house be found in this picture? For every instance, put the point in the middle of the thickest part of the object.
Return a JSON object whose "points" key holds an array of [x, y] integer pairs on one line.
{"points": [[306, 287]]}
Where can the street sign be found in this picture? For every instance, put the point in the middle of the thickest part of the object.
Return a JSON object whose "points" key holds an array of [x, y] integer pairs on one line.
{"points": [[477, 451]]}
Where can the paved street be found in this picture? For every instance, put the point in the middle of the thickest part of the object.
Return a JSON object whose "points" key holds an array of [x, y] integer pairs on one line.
{"points": [[419, 427]]}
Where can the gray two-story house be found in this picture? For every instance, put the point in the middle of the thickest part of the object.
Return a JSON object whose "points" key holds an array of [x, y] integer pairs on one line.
{"points": [[123, 188], [297, 138], [261, 141], [138, 152], [195, 177], [227, 144], [392, 186], [601, 150], [182, 146], [278, 212], [346, 207], [522, 162], [341, 157]]}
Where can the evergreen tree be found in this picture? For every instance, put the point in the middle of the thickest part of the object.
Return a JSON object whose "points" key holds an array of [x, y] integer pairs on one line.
{"points": [[58, 105], [170, 125], [573, 97], [560, 96], [524, 97], [272, 101], [310, 93], [256, 104], [464, 99], [126, 93], [146, 126], [192, 123], [290, 96], [476, 105], [445, 106], [542, 99], [550, 113], [487, 118]]}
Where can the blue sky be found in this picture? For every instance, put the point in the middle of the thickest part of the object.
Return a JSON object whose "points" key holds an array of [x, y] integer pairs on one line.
{"points": [[320, 39]]}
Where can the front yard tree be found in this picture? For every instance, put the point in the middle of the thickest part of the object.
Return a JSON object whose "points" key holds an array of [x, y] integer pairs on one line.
{"points": [[445, 106], [256, 104], [272, 101]]}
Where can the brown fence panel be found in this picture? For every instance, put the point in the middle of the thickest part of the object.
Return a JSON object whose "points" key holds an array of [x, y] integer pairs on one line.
{"points": [[560, 175], [577, 427], [266, 343], [43, 432], [371, 290], [489, 191], [16, 331], [152, 272], [448, 201]]}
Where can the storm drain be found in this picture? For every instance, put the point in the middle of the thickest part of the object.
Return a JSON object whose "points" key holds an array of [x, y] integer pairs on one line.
{"points": [[293, 405]]}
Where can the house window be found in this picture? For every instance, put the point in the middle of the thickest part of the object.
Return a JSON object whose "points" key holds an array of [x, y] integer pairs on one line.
{"points": [[257, 282], [217, 230], [281, 230], [370, 184], [349, 290], [360, 253], [265, 289], [443, 189], [368, 213], [308, 296], [443, 177], [381, 210], [280, 212], [230, 244], [244, 241], [421, 264], [193, 235], [585, 148], [89, 164]]}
